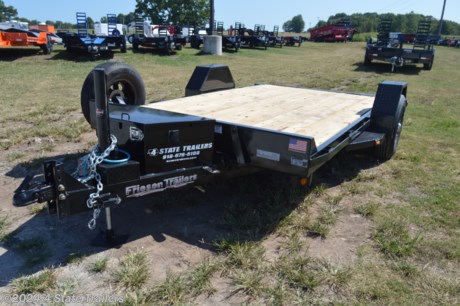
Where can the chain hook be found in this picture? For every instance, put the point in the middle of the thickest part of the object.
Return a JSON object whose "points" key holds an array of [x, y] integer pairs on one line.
{"points": [[91, 161]]}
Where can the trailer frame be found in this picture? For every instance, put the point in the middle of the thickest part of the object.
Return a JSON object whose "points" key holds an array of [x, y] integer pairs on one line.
{"points": [[95, 44], [144, 150], [392, 50], [167, 40], [231, 41], [252, 38], [14, 37]]}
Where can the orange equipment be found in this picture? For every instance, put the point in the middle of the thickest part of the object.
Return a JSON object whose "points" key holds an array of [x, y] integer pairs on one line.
{"points": [[47, 28], [21, 38]]}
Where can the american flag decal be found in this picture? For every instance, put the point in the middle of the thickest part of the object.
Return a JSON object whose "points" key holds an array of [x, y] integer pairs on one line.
{"points": [[297, 145]]}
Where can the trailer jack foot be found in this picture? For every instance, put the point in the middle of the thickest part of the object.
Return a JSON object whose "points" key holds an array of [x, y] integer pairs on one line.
{"points": [[108, 239]]}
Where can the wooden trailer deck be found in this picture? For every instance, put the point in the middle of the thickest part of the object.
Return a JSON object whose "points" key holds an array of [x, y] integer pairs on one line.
{"points": [[307, 112]]}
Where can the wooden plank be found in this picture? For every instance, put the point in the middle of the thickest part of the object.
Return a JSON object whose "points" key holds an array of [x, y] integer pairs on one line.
{"points": [[315, 113]]}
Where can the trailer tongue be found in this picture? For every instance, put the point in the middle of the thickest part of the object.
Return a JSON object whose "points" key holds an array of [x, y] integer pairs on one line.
{"points": [[147, 149]]}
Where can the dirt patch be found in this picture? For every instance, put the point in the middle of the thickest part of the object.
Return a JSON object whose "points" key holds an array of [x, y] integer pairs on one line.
{"points": [[176, 233], [340, 246]]}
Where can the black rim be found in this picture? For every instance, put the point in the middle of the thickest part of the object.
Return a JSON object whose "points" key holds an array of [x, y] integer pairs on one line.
{"points": [[121, 92], [398, 131]]}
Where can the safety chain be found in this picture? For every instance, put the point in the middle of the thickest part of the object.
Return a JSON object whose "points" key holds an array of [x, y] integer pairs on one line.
{"points": [[91, 161]]}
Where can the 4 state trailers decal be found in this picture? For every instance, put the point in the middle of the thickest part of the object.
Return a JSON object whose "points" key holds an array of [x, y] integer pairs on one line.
{"points": [[179, 153]]}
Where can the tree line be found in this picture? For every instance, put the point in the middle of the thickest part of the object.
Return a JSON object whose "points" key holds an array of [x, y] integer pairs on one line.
{"points": [[179, 12], [196, 12], [405, 23]]}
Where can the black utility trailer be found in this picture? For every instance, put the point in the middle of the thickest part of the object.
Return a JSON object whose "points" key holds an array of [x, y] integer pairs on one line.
{"points": [[390, 47], [252, 38], [94, 44], [274, 40], [291, 41], [147, 149], [194, 37], [231, 41], [166, 40]]}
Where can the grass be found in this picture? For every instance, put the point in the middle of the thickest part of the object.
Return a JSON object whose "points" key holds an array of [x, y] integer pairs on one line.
{"points": [[199, 280], [412, 255], [3, 223], [34, 250], [37, 208], [133, 271], [38, 283], [75, 258], [299, 273], [99, 265], [170, 292], [367, 209], [176, 289], [394, 239]]}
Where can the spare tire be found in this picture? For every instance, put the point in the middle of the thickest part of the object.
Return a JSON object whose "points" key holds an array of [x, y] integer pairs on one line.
{"points": [[124, 86]]}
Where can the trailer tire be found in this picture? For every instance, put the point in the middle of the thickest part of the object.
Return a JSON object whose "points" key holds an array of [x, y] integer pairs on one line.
{"points": [[428, 66], [392, 131], [123, 47], [367, 60], [170, 48], [122, 80], [48, 47]]}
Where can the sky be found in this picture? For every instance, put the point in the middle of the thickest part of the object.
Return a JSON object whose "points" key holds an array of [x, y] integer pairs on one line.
{"points": [[249, 12]]}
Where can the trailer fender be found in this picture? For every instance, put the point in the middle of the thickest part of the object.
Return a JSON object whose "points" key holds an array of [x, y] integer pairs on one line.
{"points": [[124, 86], [209, 78], [387, 116]]}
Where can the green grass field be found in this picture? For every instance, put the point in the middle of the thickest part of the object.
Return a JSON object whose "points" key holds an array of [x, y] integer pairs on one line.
{"points": [[411, 251]]}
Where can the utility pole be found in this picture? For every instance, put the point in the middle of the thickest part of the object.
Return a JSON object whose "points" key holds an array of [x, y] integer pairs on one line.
{"points": [[211, 19], [442, 17]]}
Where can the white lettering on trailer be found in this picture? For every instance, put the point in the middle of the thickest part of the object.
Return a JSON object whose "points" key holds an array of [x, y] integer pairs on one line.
{"points": [[299, 162], [169, 150], [268, 155], [182, 153], [202, 146], [135, 191]]}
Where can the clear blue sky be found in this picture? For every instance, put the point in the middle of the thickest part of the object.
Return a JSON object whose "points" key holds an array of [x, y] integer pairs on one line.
{"points": [[249, 12]]}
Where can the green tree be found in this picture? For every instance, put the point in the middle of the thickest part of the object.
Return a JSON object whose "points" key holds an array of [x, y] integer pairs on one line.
{"points": [[178, 12], [125, 19], [7, 12], [90, 22], [405, 23], [121, 18], [296, 24], [410, 24], [68, 25], [130, 17]]}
